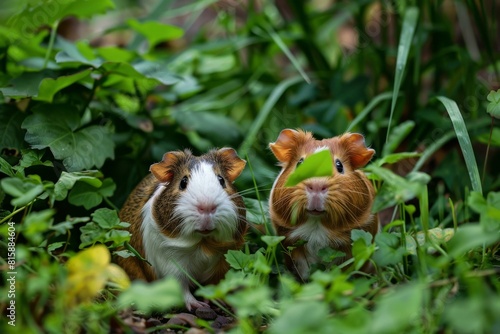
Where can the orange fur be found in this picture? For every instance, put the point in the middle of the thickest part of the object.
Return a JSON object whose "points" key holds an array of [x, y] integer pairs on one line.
{"points": [[349, 195]]}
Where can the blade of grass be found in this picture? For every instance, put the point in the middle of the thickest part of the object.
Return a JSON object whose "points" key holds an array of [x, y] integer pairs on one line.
{"points": [[264, 113], [373, 103], [279, 42], [464, 141], [409, 24]]}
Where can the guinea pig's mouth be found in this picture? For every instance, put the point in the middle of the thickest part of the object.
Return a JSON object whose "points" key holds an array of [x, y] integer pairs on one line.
{"points": [[315, 212], [205, 232]]}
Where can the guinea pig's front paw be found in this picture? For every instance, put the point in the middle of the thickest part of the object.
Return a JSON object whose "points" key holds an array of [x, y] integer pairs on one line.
{"points": [[192, 303]]}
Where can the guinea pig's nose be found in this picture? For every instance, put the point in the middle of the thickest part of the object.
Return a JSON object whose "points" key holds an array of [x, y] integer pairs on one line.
{"points": [[317, 187], [206, 208]]}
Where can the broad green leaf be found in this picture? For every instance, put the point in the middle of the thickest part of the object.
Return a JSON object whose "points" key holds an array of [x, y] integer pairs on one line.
{"points": [[389, 249], [404, 305], [405, 40], [25, 85], [11, 134], [494, 104], [106, 218], [238, 259], [26, 17], [252, 301], [316, 165], [156, 32], [395, 189], [31, 158], [260, 264], [23, 191], [6, 168], [49, 87], [144, 296], [85, 195], [469, 237], [58, 129], [67, 181], [308, 316], [116, 54], [464, 141]]}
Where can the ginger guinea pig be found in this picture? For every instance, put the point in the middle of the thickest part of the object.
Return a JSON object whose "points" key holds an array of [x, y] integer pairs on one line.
{"points": [[184, 217], [321, 211]]}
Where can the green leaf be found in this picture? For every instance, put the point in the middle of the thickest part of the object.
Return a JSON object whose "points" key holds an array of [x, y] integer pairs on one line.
{"points": [[49, 87], [23, 191], [36, 223], [141, 70], [89, 196], [143, 296], [25, 85], [6, 168], [316, 165], [409, 24], [58, 129], [28, 16], [403, 304], [67, 181], [469, 237], [216, 64], [272, 240], [464, 141], [31, 158], [238, 260], [389, 249], [11, 134], [156, 32], [299, 318], [493, 107], [106, 218], [395, 189]]}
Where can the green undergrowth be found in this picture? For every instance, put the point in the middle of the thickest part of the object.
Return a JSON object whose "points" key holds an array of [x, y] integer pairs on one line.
{"points": [[81, 120]]}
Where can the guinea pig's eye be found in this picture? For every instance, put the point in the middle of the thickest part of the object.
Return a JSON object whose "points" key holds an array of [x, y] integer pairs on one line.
{"points": [[339, 166], [184, 183], [301, 160], [221, 181]]}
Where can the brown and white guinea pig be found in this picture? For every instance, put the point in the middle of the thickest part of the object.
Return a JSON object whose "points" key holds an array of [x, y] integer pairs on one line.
{"points": [[321, 211], [184, 217]]}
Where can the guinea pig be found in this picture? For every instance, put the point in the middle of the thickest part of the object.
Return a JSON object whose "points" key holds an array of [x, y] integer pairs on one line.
{"points": [[184, 217], [321, 211]]}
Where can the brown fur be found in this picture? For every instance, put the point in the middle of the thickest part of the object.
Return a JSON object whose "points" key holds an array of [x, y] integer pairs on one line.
{"points": [[350, 195], [174, 166]]}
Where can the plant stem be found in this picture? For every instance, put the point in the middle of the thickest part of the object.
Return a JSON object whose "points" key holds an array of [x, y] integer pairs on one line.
{"points": [[53, 34], [487, 149]]}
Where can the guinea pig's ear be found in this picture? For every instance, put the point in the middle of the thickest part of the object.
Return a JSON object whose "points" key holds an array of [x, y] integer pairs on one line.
{"points": [[284, 144], [233, 164], [163, 170], [354, 146]]}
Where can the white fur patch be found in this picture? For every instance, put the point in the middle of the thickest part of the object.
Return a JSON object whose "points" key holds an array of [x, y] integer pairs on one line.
{"points": [[177, 256], [204, 188], [317, 238], [321, 148]]}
